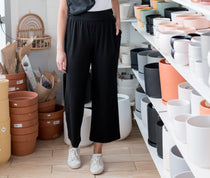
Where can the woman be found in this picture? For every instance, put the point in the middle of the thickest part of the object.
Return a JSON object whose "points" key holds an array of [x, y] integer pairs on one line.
{"points": [[88, 33]]}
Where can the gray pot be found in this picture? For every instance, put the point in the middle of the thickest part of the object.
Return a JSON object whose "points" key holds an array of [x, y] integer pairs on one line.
{"points": [[139, 95], [154, 57], [142, 60]]}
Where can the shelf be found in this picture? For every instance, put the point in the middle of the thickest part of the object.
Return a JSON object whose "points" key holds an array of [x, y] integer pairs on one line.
{"points": [[204, 9], [196, 83], [153, 151], [162, 110], [140, 78], [133, 19], [123, 66]]}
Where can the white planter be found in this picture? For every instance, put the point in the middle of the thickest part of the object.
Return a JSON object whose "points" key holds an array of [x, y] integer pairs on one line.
{"points": [[195, 98], [180, 126], [177, 162], [181, 58], [184, 91], [144, 102], [126, 59], [130, 91], [139, 95], [187, 174], [198, 142], [195, 50], [142, 60], [125, 10], [154, 57], [124, 115], [85, 130], [205, 47], [177, 107], [126, 47]]}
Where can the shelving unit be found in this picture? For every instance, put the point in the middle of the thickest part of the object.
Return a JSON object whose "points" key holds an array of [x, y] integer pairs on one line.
{"points": [[133, 19]]}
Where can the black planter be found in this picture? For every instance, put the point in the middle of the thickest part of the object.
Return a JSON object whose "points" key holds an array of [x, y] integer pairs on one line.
{"points": [[159, 127], [177, 37], [152, 80], [168, 11], [153, 118], [134, 59], [191, 35], [146, 2], [149, 18], [147, 28]]}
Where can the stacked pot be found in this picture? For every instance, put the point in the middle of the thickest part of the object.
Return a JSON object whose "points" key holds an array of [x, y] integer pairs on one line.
{"points": [[17, 82], [24, 121], [50, 120], [5, 137]]}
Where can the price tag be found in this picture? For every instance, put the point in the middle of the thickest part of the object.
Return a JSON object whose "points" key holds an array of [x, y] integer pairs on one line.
{"points": [[56, 122], [19, 82], [18, 125]]}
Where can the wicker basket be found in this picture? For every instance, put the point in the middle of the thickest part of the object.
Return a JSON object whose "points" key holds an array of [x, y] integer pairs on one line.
{"points": [[32, 26]]}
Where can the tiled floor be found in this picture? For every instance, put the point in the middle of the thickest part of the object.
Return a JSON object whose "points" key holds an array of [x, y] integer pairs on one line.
{"points": [[123, 159]]}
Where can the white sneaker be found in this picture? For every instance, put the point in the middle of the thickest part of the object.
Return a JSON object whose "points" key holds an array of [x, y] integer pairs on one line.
{"points": [[74, 158], [97, 164]]}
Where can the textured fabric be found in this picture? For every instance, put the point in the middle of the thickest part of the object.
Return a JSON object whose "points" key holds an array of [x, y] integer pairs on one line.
{"points": [[91, 39], [101, 5]]}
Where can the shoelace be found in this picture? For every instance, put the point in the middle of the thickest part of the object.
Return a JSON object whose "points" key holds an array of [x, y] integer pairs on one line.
{"points": [[73, 155], [96, 161]]}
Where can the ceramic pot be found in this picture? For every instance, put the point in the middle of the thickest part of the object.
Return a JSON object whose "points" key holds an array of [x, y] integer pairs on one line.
{"points": [[198, 143], [48, 106], [145, 13], [22, 99], [195, 99], [169, 11], [205, 47], [184, 91], [134, 57], [176, 38], [24, 124], [85, 129], [162, 26], [197, 23], [154, 57], [124, 116], [180, 126], [142, 60], [204, 109], [129, 91], [15, 76], [169, 82], [21, 87], [138, 14], [191, 35], [125, 10], [177, 13], [126, 59], [5, 147], [138, 6], [187, 174], [24, 110], [177, 162], [159, 127], [186, 30], [158, 20], [180, 18], [4, 110], [23, 144], [139, 95], [154, 4], [24, 117], [144, 116], [162, 5], [149, 18], [168, 143], [194, 52], [181, 46], [152, 80], [153, 118], [17, 82], [196, 39], [24, 131], [5, 128]]}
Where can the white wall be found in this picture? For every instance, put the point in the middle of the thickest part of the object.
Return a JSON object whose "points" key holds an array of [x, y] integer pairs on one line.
{"points": [[47, 10]]}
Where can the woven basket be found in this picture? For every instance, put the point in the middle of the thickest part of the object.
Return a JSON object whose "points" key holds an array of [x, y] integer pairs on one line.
{"points": [[32, 26]]}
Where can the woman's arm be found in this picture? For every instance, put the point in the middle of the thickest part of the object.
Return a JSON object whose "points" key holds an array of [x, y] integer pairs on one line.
{"points": [[61, 31], [116, 11]]}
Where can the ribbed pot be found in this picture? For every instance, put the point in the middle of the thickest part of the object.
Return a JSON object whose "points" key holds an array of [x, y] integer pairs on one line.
{"points": [[23, 144], [24, 124], [134, 58], [153, 118], [24, 117], [47, 106], [139, 95], [22, 99], [142, 60], [144, 115], [24, 110], [152, 80], [204, 109], [21, 87], [169, 80], [159, 127], [24, 131]]}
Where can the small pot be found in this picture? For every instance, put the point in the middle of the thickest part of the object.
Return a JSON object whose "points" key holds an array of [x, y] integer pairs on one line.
{"points": [[142, 60], [184, 91], [48, 106], [22, 99], [144, 115], [25, 131], [159, 126], [4, 109], [139, 95], [174, 38], [152, 80], [204, 110], [195, 99], [168, 11], [25, 110], [149, 18], [24, 124], [52, 115], [154, 57], [23, 144], [24, 117]]}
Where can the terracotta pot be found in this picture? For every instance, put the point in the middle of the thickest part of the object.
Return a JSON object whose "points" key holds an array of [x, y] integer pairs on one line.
{"points": [[169, 80], [24, 124], [25, 110], [52, 115], [22, 99], [50, 129], [16, 76], [17, 82], [24, 131], [4, 110], [22, 87], [204, 110], [48, 106], [24, 117], [23, 144]]}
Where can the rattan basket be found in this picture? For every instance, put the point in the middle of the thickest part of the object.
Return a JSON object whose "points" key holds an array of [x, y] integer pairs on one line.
{"points": [[32, 26]]}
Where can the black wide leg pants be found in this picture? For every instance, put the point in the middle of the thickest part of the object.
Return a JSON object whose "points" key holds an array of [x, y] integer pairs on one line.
{"points": [[91, 40]]}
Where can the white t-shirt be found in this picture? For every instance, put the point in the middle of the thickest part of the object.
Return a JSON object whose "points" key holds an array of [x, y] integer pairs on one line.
{"points": [[101, 5]]}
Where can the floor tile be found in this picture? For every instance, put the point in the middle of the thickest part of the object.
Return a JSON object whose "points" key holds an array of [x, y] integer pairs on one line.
{"points": [[120, 166]]}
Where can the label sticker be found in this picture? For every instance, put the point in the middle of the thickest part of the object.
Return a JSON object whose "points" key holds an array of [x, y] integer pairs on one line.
{"points": [[19, 82], [48, 122], [56, 122], [18, 125], [15, 104], [12, 89], [49, 115], [3, 129]]}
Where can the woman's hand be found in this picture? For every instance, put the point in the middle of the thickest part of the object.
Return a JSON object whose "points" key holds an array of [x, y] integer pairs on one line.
{"points": [[118, 26], [61, 61], [116, 12]]}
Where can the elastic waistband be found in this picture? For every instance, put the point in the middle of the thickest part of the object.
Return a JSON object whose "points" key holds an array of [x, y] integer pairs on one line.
{"points": [[96, 15]]}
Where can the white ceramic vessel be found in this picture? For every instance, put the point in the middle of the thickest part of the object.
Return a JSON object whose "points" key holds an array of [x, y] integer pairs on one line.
{"points": [[126, 59], [195, 99], [205, 47], [139, 95], [187, 174], [144, 102], [181, 58], [195, 50], [125, 10], [181, 46], [198, 142], [184, 91], [154, 57], [142, 60]]}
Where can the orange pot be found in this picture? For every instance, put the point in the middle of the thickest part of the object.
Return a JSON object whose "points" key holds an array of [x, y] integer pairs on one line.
{"points": [[138, 12], [17, 76], [169, 80], [22, 99], [204, 110], [48, 106], [25, 110], [17, 82], [24, 117], [23, 144], [24, 124], [24, 131], [21, 87]]}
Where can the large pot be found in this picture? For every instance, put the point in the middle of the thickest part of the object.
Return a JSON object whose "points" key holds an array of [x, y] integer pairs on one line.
{"points": [[195, 99], [24, 110], [159, 135], [152, 80], [177, 162], [204, 109], [142, 60], [47, 106], [24, 117], [144, 116], [198, 143], [169, 80], [24, 131], [153, 118]]}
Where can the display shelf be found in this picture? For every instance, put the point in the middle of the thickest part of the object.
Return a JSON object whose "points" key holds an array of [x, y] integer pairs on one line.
{"points": [[123, 66], [195, 82], [153, 151], [204, 9], [140, 78], [133, 19], [162, 111]]}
